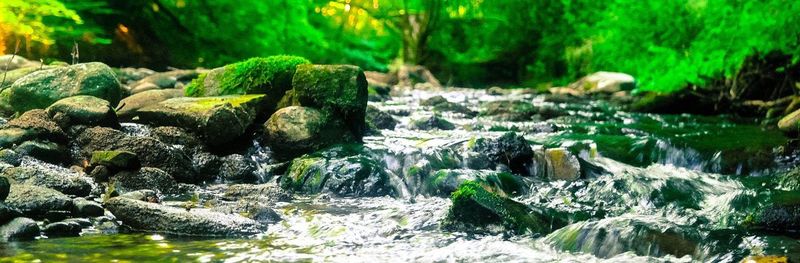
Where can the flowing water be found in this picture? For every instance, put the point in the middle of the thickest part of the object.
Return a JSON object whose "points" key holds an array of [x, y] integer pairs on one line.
{"points": [[681, 182]]}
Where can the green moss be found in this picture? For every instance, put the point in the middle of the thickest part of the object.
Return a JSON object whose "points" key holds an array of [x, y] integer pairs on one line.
{"points": [[476, 205], [269, 75]]}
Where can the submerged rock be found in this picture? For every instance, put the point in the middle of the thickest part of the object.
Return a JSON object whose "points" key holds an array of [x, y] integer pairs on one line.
{"points": [[339, 90], [128, 107], [151, 152], [295, 130], [219, 120], [37, 202], [445, 182], [150, 217], [329, 172], [20, 228], [644, 236], [42, 88]]}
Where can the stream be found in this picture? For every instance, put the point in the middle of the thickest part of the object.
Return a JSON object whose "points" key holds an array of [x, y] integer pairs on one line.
{"points": [[685, 182]]}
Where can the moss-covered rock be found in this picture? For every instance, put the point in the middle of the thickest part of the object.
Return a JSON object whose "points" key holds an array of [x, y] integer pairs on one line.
{"points": [[128, 107], [84, 110], [790, 122], [337, 172], [445, 182], [218, 120], [66, 182], [477, 205], [340, 90], [433, 122], [379, 120], [116, 160], [40, 89], [295, 130], [562, 164], [36, 201], [147, 178], [34, 124]]}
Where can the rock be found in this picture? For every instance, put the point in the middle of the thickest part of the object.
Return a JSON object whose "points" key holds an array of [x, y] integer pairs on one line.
{"points": [[62, 229], [145, 178], [604, 82], [377, 119], [509, 150], [207, 166], [130, 75], [12, 76], [146, 86], [779, 218], [219, 120], [152, 217], [788, 181], [35, 201], [177, 136], [262, 193], [790, 122], [433, 122], [46, 151], [7, 213], [62, 181], [12, 62], [445, 182], [100, 173], [509, 110], [440, 104], [10, 157], [129, 106], [766, 259], [378, 93], [331, 172], [477, 205], [562, 165], [167, 80], [31, 125], [252, 210], [84, 110], [271, 76], [149, 196], [433, 101], [340, 90], [4, 188], [86, 208], [116, 160], [295, 130], [238, 169], [42, 88], [151, 152], [20, 228], [644, 236]]}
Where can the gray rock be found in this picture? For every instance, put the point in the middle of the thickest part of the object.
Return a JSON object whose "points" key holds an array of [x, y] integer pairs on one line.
{"points": [[128, 107], [86, 208], [262, 193], [238, 169], [20, 228], [84, 110], [37, 202], [44, 150], [63, 181], [295, 130], [146, 195], [152, 217], [62, 229], [510, 150], [378, 119], [151, 152], [42, 88], [433, 122], [10, 157], [562, 165], [145, 178], [7, 213], [207, 166], [31, 125]]}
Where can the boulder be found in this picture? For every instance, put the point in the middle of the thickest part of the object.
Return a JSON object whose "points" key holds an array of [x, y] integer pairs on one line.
{"points": [[151, 152], [779, 218], [146, 178], [440, 104], [166, 80], [340, 90], [10, 157], [7, 213], [31, 125], [270, 75], [790, 122], [62, 229], [207, 166], [335, 173], [20, 228], [261, 193], [12, 62], [509, 110], [41, 88], [219, 120], [150, 217], [644, 236], [295, 130], [86, 208], [238, 169], [116, 160], [44, 150], [562, 165], [63, 181], [509, 150], [604, 82], [445, 182], [36, 201], [84, 110], [129, 106]]}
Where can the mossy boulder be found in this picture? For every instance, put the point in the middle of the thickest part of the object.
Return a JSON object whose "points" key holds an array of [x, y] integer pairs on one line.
{"points": [[40, 89], [36, 201], [44, 150], [379, 120], [477, 205], [116, 160], [562, 164], [433, 122], [218, 120], [84, 110], [445, 182], [295, 130], [128, 107], [337, 172], [64, 181], [340, 90]]}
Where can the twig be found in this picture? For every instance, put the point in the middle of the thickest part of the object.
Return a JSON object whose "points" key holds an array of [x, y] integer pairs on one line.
{"points": [[75, 53], [8, 64]]}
